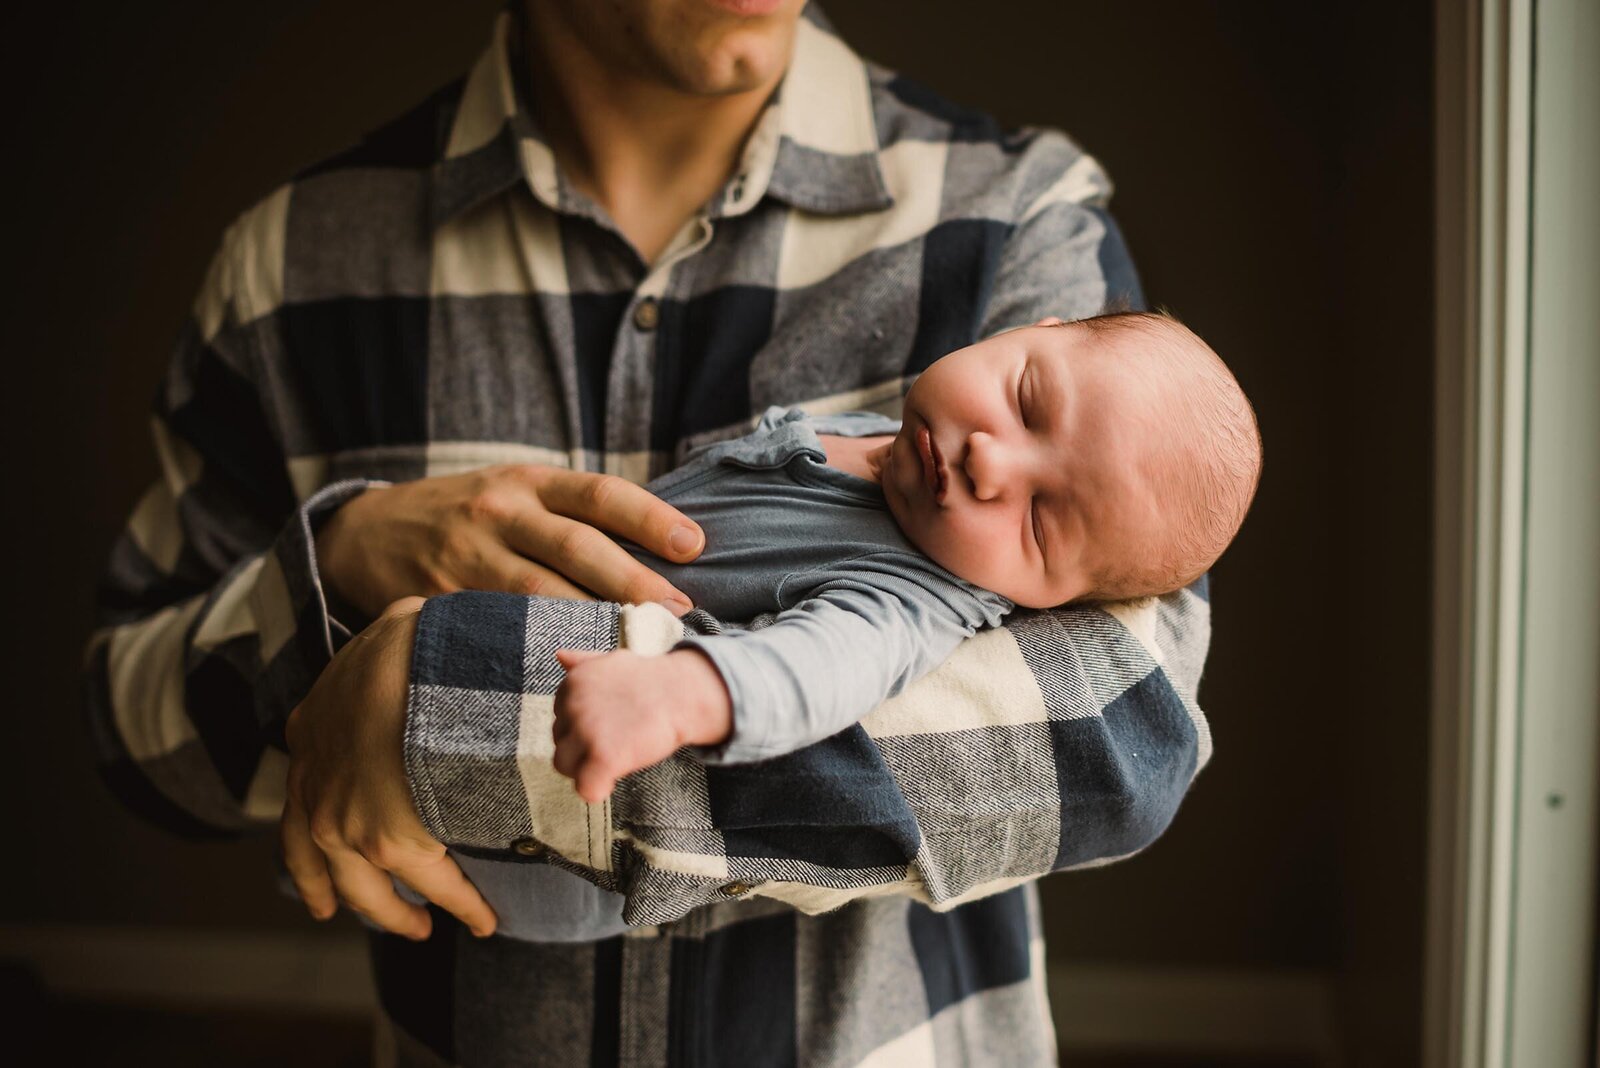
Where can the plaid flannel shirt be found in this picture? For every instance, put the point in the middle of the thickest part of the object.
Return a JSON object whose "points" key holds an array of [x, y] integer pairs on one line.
{"points": [[438, 298]]}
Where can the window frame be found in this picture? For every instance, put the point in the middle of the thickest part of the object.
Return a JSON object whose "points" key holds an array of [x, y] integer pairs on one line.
{"points": [[1516, 674]]}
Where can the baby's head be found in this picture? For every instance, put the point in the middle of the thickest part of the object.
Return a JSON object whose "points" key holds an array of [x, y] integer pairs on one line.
{"points": [[1098, 460]]}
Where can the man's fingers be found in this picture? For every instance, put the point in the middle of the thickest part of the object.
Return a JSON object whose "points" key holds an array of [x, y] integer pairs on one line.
{"points": [[587, 557], [617, 505], [307, 867], [442, 882], [511, 572], [403, 606], [369, 891]]}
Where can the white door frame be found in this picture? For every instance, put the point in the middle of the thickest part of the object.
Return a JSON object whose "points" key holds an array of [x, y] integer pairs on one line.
{"points": [[1516, 677]]}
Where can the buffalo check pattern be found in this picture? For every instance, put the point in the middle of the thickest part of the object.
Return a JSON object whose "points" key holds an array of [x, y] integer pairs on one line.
{"points": [[439, 298], [943, 793]]}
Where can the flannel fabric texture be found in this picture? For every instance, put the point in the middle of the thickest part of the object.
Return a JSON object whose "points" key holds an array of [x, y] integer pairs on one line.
{"points": [[438, 298]]}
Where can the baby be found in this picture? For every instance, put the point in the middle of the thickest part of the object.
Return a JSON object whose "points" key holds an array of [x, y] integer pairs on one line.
{"points": [[1100, 460]]}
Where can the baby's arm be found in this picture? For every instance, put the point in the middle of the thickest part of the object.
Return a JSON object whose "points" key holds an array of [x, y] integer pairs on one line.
{"points": [[864, 630]]}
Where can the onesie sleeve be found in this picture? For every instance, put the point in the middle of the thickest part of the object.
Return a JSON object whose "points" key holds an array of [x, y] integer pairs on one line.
{"points": [[858, 633]]}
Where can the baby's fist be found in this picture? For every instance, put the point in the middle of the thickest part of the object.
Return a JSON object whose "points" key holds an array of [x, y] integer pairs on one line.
{"points": [[619, 712]]}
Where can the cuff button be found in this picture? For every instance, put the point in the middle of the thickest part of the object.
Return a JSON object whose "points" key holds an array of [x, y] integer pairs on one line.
{"points": [[529, 847]]}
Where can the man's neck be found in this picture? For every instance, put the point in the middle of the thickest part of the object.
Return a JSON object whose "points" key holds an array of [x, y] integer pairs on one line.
{"points": [[649, 154]]}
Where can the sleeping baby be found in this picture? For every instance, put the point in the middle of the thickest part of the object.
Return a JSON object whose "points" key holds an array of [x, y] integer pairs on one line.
{"points": [[1105, 459]]}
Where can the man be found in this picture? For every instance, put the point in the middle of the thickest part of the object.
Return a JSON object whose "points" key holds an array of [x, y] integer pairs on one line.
{"points": [[629, 229]]}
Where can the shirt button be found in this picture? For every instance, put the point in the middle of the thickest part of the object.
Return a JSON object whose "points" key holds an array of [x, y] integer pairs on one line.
{"points": [[647, 314], [529, 847], [734, 889]]}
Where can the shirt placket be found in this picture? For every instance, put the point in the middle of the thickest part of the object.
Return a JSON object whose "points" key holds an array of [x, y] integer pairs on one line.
{"points": [[642, 335]]}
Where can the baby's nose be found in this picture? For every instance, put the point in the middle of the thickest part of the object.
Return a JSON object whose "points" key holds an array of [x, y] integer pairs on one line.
{"points": [[987, 467]]}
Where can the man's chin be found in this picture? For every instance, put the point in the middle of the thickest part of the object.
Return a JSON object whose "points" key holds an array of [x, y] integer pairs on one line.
{"points": [[725, 60], [722, 76]]}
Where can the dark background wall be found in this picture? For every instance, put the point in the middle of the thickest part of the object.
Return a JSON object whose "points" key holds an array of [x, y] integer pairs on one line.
{"points": [[1273, 171]]}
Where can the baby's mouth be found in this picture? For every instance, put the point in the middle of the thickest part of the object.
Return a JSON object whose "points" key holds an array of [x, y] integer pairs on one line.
{"points": [[933, 470]]}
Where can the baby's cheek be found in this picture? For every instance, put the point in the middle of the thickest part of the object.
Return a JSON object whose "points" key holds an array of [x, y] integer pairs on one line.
{"points": [[965, 552]]}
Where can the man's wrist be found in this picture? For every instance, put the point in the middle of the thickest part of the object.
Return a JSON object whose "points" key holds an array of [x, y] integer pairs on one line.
{"points": [[330, 538], [706, 716]]}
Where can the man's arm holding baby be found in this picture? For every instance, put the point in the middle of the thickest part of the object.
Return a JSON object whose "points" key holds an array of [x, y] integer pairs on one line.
{"points": [[1061, 739]]}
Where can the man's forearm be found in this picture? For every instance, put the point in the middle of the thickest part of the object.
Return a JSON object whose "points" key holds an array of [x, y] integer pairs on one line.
{"points": [[1057, 741]]}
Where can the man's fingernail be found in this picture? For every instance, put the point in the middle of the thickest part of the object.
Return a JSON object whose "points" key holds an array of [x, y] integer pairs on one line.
{"points": [[683, 540], [677, 607]]}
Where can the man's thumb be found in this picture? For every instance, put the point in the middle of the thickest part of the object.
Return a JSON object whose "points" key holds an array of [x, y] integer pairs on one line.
{"points": [[403, 607]]}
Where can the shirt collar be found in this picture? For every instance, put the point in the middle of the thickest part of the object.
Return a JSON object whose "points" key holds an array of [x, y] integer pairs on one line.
{"points": [[815, 146], [825, 158]]}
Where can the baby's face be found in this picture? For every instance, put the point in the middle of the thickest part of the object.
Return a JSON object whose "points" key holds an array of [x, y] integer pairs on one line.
{"points": [[1023, 463]]}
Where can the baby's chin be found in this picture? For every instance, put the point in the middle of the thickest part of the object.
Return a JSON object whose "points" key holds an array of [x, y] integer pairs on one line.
{"points": [[894, 496], [909, 519], [918, 531]]}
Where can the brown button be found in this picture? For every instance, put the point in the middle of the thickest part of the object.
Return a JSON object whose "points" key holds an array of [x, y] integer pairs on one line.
{"points": [[734, 889], [530, 847], [647, 314]]}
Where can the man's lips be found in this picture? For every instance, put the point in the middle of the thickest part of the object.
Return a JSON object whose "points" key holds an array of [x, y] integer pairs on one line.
{"points": [[934, 475], [749, 7]]}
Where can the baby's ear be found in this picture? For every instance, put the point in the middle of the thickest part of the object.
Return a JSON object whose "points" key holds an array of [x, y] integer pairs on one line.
{"points": [[1051, 320]]}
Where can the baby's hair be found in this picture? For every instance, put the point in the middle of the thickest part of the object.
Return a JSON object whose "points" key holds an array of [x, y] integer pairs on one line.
{"points": [[1221, 441]]}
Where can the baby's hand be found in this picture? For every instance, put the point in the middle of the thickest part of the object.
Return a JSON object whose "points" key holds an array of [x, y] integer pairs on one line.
{"points": [[619, 712]]}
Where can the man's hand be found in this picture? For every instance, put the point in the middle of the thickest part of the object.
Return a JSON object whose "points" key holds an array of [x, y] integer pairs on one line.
{"points": [[348, 818], [517, 528], [619, 712]]}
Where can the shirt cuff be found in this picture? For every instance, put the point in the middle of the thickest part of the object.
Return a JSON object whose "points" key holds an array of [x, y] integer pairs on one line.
{"points": [[478, 659], [298, 633]]}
